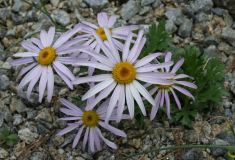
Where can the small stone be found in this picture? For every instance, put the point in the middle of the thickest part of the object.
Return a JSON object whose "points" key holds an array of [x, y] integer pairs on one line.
{"points": [[192, 136], [201, 17], [58, 140], [97, 6], [211, 40], [217, 152], [203, 5], [4, 82], [17, 104], [17, 19], [226, 48], [32, 16], [136, 19], [11, 33], [61, 151], [18, 6], [62, 17], [176, 15], [44, 115], [55, 2], [26, 135], [188, 10], [83, 5], [228, 77], [68, 139], [218, 11], [229, 33], [194, 153], [159, 12], [31, 113], [227, 105], [63, 91], [212, 52], [146, 2], [4, 12], [17, 119], [2, 32], [170, 26], [144, 10], [228, 19], [156, 4], [232, 88], [185, 28], [130, 9], [3, 153], [227, 137], [42, 129], [20, 31], [215, 130]]}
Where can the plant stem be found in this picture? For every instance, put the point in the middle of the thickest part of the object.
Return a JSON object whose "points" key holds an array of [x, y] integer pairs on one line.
{"points": [[3, 142], [44, 6], [179, 147]]}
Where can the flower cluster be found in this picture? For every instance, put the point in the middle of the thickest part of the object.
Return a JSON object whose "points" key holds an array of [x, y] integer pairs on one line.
{"points": [[120, 87]]}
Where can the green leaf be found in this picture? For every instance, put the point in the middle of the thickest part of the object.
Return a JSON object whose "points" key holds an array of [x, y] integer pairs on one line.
{"points": [[13, 136], [14, 141], [185, 114], [2, 137], [9, 142], [5, 132]]}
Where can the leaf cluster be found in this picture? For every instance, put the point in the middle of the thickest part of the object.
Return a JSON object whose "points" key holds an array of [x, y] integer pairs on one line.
{"points": [[9, 139]]}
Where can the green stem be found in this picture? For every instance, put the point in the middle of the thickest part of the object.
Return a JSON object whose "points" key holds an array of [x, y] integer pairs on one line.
{"points": [[179, 147], [44, 7]]}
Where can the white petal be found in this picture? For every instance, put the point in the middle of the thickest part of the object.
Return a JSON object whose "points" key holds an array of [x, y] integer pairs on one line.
{"points": [[130, 101], [25, 54]]}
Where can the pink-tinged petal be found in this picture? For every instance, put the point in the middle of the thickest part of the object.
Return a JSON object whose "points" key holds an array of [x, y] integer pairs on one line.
{"points": [[65, 36], [25, 54], [176, 98], [130, 101], [32, 83], [89, 24], [118, 44], [28, 77], [97, 139], [154, 80], [184, 91], [66, 130], [37, 42], [42, 83], [89, 100], [70, 105], [112, 46], [121, 103], [103, 107], [76, 123], [100, 19], [24, 70], [85, 138], [138, 99], [70, 60], [177, 65], [69, 118], [153, 67], [168, 105], [50, 83], [105, 48], [125, 29], [95, 65], [43, 37], [136, 45], [91, 69], [112, 20], [70, 112], [167, 59], [92, 140], [101, 58], [21, 61], [163, 96], [142, 42], [147, 59], [127, 46], [97, 88], [113, 129], [113, 101], [110, 144], [50, 36], [147, 85], [72, 50], [30, 47], [116, 36], [183, 76], [155, 107], [152, 91], [75, 142], [64, 70], [97, 78], [64, 77], [70, 43], [188, 84], [103, 94], [105, 19], [156, 75], [143, 91]]}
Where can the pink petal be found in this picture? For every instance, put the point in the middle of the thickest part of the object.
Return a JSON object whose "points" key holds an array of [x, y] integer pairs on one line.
{"points": [[24, 70], [112, 129], [168, 105], [184, 91], [64, 70], [43, 37], [50, 83], [66, 130], [37, 42], [188, 84], [155, 107], [177, 65], [121, 103], [91, 140], [42, 83], [21, 61], [85, 138], [97, 139], [96, 78], [147, 59], [112, 20], [89, 24], [130, 101], [110, 144], [30, 47], [176, 98], [75, 142], [50, 36]]}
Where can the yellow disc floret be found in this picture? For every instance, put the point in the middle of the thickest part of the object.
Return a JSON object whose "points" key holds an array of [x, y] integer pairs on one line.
{"points": [[90, 118], [102, 34], [47, 56], [160, 86], [124, 73]]}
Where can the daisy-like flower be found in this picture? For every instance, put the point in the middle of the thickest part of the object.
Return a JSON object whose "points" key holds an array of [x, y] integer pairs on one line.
{"points": [[123, 74], [164, 89], [42, 56], [90, 120], [104, 22]]}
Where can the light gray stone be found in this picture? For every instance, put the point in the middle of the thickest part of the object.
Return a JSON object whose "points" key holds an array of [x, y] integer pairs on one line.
{"points": [[228, 77], [201, 17], [42, 129], [211, 40], [146, 2], [218, 11], [195, 153], [229, 33], [62, 17], [2, 32], [37, 156], [203, 5], [31, 113], [144, 10], [44, 115], [17, 119], [170, 26], [176, 15], [136, 19], [4, 82], [97, 5], [217, 152], [4, 12], [18, 6], [228, 19], [83, 5], [3, 153], [26, 135], [156, 4], [130, 9], [185, 28], [55, 2], [188, 10]]}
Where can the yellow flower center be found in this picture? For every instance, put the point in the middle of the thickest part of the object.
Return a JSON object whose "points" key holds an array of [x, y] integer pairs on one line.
{"points": [[102, 34], [124, 73], [90, 118], [165, 86], [47, 56]]}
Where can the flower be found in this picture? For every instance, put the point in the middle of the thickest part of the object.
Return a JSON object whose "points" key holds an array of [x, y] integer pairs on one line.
{"points": [[164, 89], [122, 75], [90, 120], [42, 56], [104, 22]]}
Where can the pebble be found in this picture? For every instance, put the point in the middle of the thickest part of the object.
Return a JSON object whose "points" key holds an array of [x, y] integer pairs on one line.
{"points": [[37, 156], [156, 4], [26, 135], [218, 11], [17, 105], [3, 153], [58, 140], [228, 137], [44, 115], [146, 2], [62, 17], [97, 6], [201, 17], [217, 152], [144, 10], [203, 5], [176, 15], [17, 119], [54, 2], [228, 77], [194, 153], [18, 6], [130, 9], [4, 82], [229, 33], [42, 129], [170, 26], [4, 12], [211, 40], [185, 28]]}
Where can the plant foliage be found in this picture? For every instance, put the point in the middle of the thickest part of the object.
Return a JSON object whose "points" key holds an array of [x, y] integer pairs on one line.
{"points": [[10, 140]]}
